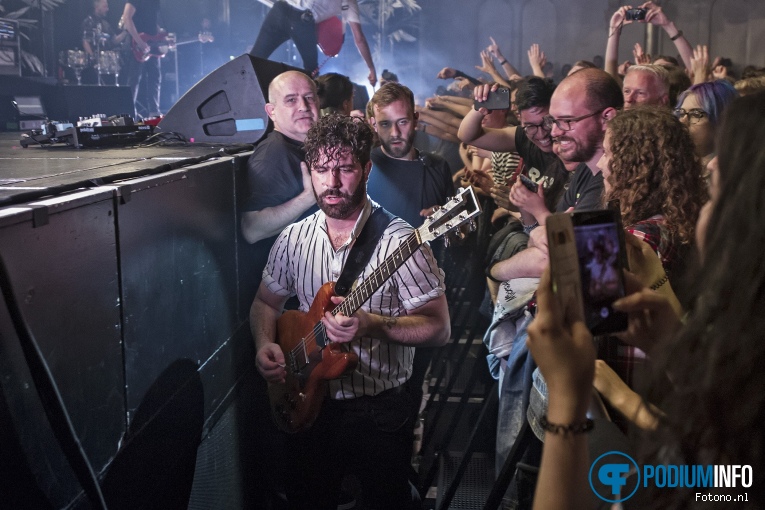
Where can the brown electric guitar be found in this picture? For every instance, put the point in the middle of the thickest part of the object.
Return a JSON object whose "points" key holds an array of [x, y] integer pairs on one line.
{"points": [[312, 361]]}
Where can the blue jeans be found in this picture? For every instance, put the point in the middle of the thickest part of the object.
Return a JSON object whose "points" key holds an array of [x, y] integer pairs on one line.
{"points": [[514, 387]]}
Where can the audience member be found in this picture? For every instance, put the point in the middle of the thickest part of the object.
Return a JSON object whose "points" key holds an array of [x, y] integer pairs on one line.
{"points": [[701, 108], [706, 416], [750, 85], [655, 16], [279, 183], [335, 93], [660, 199], [679, 81], [405, 181], [646, 84]]}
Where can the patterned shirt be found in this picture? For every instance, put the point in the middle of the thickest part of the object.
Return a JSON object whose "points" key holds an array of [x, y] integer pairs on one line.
{"points": [[303, 259], [623, 358]]}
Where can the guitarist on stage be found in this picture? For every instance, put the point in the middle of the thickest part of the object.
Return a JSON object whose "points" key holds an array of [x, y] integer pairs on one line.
{"points": [[363, 426], [297, 20], [142, 17]]}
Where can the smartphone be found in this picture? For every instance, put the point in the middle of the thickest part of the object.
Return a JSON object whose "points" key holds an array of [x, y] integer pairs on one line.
{"points": [[530, 185], [636, 14], [497, 100], [594, 251]]}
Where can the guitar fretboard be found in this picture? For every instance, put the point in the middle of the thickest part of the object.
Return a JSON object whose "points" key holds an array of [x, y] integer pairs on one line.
{"points": [[390, 265]]}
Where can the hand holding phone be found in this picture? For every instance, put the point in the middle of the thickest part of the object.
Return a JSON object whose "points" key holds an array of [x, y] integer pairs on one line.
{"points": [[498, 99], [529, 184], [587, 253]]}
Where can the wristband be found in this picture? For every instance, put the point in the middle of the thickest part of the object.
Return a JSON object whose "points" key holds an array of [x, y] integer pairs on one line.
{"points": [[677, 36], [571, 428], [528, 228], [661, 282], [503, 62]]}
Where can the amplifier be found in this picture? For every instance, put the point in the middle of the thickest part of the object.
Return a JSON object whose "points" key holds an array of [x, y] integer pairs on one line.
{"points": [[88, 136], [109, 136]]}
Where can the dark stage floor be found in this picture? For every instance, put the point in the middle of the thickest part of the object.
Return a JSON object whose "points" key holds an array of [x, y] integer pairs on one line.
{"points": [[37, 171]]}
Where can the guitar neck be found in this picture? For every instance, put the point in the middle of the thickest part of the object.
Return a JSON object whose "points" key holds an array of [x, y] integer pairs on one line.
{"points": [[363, 292]]}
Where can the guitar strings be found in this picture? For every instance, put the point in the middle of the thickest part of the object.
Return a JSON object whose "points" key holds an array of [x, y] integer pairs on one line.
{"points": [[410, 244]]}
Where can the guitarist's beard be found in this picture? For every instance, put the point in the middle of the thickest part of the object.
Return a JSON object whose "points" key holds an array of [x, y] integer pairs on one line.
{"points": [[349, 204]]}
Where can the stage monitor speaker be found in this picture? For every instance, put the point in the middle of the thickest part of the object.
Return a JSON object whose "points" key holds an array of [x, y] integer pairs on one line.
{"points": [[227, 105]]}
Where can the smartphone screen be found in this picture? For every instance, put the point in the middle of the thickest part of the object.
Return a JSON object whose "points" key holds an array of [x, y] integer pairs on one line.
{"points": [[600, 252]]}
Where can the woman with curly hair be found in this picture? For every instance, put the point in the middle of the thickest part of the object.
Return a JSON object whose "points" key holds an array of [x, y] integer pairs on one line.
{"points": [[649, 166]]}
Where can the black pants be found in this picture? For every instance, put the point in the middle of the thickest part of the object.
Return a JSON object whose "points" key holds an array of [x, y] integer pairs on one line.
{"points": [[150, 71], [285, 22], [369, 437]]}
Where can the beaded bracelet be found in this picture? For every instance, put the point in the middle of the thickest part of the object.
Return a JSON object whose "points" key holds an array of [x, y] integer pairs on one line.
{"points": [[528, 228], [571, 428], [661, 282]]}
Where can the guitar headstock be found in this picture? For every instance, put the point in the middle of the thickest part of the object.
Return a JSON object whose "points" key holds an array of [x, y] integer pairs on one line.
{"points": [[457, 211]]}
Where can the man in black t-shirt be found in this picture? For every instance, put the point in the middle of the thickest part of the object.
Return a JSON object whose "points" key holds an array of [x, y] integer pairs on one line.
{"points": [[280, 191], [141, 20]]}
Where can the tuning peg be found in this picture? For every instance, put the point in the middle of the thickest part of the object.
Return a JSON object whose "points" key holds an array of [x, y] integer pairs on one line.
{"points": [[471, 225], [446, 241]]}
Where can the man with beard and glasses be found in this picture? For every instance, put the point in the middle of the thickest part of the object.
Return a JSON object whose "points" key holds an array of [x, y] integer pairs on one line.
{"points": [[362, 427], [405, 181]]}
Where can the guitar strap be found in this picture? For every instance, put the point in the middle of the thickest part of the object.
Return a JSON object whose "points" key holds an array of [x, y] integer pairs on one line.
{"points": [[362, 249]]}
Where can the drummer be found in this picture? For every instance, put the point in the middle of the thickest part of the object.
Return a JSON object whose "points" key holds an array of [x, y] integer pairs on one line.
{"points": [[97, 32]]}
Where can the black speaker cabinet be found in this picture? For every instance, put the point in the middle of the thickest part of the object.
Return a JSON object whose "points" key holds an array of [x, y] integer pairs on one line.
{"points": [[227, 105]]}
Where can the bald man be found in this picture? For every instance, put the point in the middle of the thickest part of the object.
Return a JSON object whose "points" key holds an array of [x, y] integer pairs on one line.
{"points": [[280, 191]]}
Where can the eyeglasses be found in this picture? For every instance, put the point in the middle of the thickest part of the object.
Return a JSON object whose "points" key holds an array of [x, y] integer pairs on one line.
{"points": [[531, 129], [694, 116], [565, 124]]}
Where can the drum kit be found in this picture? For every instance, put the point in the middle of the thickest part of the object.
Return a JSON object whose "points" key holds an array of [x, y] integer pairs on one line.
{"points": [[105, 64]]}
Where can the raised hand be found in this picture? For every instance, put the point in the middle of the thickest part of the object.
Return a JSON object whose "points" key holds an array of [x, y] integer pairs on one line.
{"points": [[622, 70], [719, 71], [700, 64], [446, 73], [537, 59], [619, 19], [493, 48], [655, 14], [487, 66], [640, 56]]}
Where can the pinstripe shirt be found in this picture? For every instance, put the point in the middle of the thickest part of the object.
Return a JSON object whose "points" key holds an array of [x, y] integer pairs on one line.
{"points": [[303, 259]]}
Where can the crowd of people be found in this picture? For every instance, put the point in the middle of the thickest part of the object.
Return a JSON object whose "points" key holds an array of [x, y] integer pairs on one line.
{"points": [[675, 143]]}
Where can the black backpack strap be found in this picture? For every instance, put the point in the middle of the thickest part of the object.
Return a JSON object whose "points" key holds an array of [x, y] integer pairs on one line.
{"points": [[362, 249]]}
